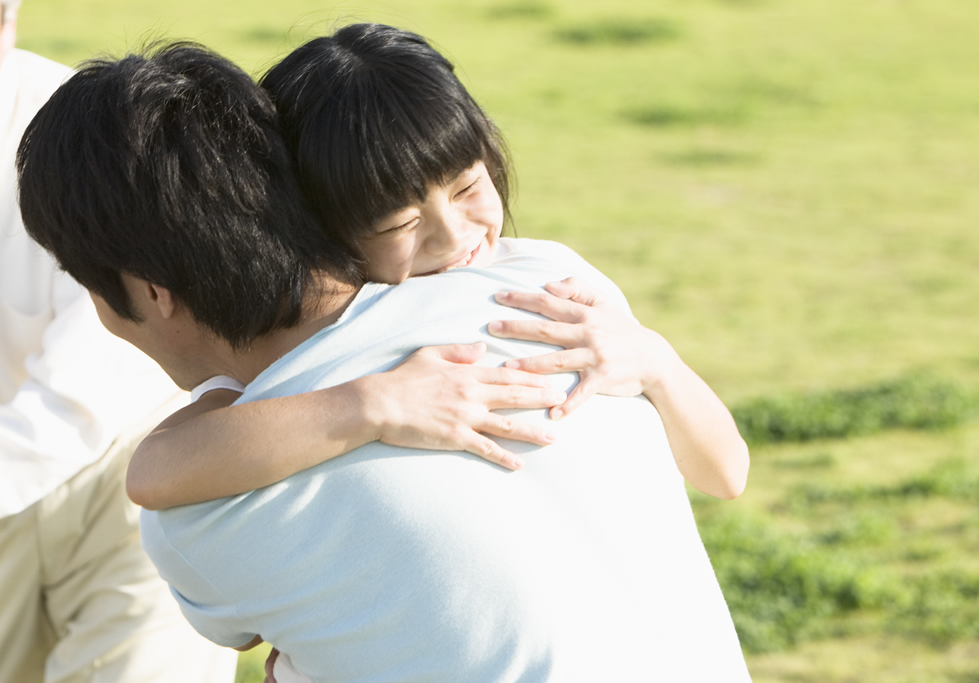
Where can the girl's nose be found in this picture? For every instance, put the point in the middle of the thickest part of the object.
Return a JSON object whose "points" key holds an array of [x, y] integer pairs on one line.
{"points": [[447, 232]]}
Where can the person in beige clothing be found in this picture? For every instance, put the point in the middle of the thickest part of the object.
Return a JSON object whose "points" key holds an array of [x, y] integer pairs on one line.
{"points": [[81, 602]]}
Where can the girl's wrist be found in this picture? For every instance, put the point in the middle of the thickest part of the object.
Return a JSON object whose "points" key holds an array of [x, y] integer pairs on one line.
{"points": [[663, 368], [363, 408]]}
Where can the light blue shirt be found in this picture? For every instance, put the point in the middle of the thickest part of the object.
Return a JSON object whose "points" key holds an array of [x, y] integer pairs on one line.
{"points": [[393, 564]]}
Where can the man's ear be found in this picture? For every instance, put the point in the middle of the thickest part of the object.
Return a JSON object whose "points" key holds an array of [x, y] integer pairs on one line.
{"points": [[163, 299], [148, 296]]}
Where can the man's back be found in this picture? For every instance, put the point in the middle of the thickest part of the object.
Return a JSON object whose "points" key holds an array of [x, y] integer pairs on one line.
{"points": [[394, 564]]}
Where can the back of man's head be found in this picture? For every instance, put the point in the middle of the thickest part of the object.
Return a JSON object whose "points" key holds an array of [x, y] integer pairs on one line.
{"points": [[169, 166]]}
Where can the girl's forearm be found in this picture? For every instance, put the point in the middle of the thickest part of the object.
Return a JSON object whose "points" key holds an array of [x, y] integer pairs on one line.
{"points": [[705, 441], [217, 451], [437, 399]]}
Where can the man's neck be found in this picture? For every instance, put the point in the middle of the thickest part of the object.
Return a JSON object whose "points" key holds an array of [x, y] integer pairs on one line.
{"points": [[324, 304]]}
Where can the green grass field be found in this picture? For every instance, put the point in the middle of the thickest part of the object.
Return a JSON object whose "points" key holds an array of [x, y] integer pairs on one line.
{"points": [[786, 190]]}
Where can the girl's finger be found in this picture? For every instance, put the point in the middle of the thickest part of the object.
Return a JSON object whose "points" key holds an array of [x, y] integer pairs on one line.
{"points": [[586, 388], [548, 305], [489, 450], [455, 353], [510, 376], [546, 331], [502, 396], [575, 290], [517, 430], [568, 360]]}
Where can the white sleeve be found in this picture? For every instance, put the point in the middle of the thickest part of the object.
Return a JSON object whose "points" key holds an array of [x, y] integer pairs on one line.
{"points": [[83, 389]]}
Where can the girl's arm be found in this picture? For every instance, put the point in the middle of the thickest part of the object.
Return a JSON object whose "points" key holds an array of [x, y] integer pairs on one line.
{"points": [[615, 355], [436, 399]]}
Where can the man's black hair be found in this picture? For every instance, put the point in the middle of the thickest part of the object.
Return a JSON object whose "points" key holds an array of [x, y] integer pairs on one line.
{"points": [[169, 166], [373, 116]]}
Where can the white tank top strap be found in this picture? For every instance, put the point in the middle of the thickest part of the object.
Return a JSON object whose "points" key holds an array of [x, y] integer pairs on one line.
{"points": [[219, 382]]}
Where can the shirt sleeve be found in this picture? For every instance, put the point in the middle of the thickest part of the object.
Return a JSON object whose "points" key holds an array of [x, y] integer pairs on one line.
{"points": [[83, 389], [206, 608]]}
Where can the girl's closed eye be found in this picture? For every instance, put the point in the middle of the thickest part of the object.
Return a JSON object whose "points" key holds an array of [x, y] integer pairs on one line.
{"points": [[455, 225], [468, 189], [398, 221], [407, 225]]}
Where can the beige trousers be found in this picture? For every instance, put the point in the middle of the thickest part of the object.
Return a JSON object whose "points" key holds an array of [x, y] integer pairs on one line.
{"points": [[79, 600]]}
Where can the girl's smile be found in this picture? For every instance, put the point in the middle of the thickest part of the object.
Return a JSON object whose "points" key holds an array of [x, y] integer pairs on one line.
{"points": [[473, 258]]}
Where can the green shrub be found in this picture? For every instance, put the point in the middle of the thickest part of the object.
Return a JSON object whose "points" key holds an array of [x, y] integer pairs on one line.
{"points": [[781, 588], [913, 402], [944, 608], [620, 32], [526, 9], [957, 478], [866, 528], [663, 116]]}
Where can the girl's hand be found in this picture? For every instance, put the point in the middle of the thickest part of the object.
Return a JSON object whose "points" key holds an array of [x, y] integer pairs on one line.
{"points": [[611, 352], [615, 355], [437, 399]]}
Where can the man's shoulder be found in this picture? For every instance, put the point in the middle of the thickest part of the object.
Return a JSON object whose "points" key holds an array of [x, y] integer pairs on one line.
{"points": [[511, 248], [557, 261]]}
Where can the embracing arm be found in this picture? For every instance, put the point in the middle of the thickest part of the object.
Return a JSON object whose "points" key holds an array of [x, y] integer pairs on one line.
{"points": [[614, 355], [437, 399], [704, 438]]}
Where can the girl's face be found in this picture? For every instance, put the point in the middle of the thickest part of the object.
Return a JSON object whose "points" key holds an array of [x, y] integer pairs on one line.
{"points": [[456, 225]]}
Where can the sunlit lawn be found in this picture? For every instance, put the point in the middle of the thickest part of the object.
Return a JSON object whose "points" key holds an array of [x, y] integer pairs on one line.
{"points": [[786, 190]]}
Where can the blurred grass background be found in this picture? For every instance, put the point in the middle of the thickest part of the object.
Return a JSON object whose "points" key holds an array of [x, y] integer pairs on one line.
{"points": [[787, 191]]}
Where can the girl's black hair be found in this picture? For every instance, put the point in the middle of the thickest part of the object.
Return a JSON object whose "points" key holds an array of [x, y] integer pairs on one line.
{"points": [[373, 116]]}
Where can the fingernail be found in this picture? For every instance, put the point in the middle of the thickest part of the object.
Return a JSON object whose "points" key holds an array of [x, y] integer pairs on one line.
{"points": [[516, 463], [556, 397], [514, 365], [549, 436], [495, 326], [502, 296], [556, 413]]}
